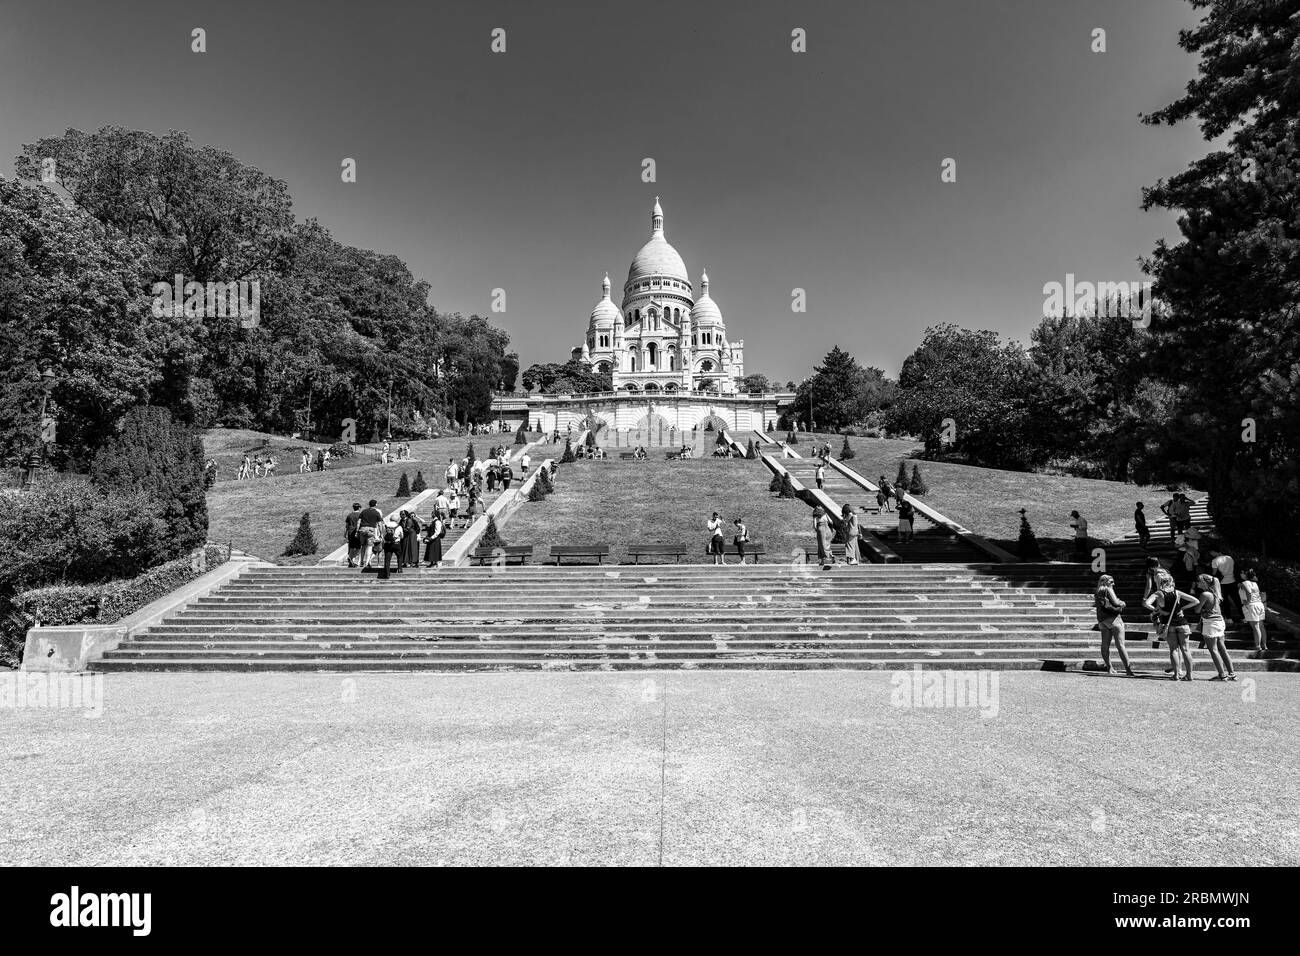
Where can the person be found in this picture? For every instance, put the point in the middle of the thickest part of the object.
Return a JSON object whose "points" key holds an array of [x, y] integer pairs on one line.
{"points": [[1213, 626], [524, 464], [888, 492], [1156, 578], [1080, 526], [716, 542], [1182, 512], [410, 553], [822, 529], [270, 467], [245, 469], [325, 460], [352, 533], [1140, 523], [740, 537], [434, 532], [1110, 623], [367, 529], [1224, 568], [442, 502], [304, 466], [475, 508], [821, 472], [849, 522], [1253, 610], [492, 476], [391, 532], [320, 459], [453, 473], [1167, 607], [507, 475], [905, 513]]}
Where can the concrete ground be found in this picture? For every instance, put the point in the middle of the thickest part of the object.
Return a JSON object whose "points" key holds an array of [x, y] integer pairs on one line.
{"points": [[673, 768]]}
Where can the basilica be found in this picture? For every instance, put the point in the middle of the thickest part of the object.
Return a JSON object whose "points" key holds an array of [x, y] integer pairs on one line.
{"points": [[662, 337]]}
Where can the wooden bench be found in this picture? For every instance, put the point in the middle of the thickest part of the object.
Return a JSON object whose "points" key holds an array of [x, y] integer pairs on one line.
{"points": [[810, 554], [670, 456], [638, 551], [752, 549], [510, 554], [627, 455], [597, 551]]}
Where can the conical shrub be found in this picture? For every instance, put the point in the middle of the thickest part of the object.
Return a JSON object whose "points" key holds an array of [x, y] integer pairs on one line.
{"points": [[403, 488], [304, 542]]}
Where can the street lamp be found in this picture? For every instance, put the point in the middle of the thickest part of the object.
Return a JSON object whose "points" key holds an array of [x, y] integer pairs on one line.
{"points": [[37, 455]]}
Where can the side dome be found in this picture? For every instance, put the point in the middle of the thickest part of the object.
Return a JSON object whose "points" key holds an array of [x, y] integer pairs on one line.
{"points": [[705, 311], [606, 313]]}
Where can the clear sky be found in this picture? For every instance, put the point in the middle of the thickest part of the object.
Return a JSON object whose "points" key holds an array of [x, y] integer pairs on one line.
{"points": [[776, 170]]}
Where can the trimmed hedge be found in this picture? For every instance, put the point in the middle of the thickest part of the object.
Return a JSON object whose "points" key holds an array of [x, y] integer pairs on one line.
{"points": [[62, 604]]}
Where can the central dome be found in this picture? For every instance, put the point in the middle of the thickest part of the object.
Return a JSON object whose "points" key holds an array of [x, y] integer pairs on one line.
{"points": [[657, 257]]}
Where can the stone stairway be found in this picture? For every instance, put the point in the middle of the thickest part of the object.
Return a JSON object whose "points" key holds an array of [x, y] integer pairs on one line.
{"points": [[624, 618], [932, 542]]}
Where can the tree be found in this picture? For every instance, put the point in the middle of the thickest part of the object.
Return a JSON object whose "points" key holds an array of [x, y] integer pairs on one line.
{"points": [[521, 433], [917, 485], [568, 455], [846, 453], [491, 538], [537, 490], [572, 377], [1027, 548], [751, 450], [155, 455], [983, 387], [756, 382], [774, 486], [418, 485], [544, 479], [1229, 286], [900, 479], [792, 439], [787, 486], [590, 440], [403, 488], [304, 542], [843, 391], [469, 453]]}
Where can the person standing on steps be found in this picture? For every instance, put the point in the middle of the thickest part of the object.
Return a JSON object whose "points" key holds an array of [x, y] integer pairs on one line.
{"points": [[352, 533], [391, 534], [824, 533], [410, 553], [716, 541], [1110, 623], [886, 490], [849, 523], [740, 537], [507, 475], [1253, 610], [905, 515], [1140, 524], [821, 473], [1080, 526], [368, 529], [1223, 567], [1213, 627], [434, 532]]}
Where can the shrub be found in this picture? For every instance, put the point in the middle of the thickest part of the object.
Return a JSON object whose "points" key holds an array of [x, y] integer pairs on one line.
{"points": [[917, 486], [537, 491], [153, 454], [568, 455], [792, 439], [403, 488], [751, 450], [521, 433], [304, 542], [418, 485], [846, 452], [590, 440], [469, 452], [65, 604], [774, 486], [342, 450], [1027, 548], [544, 479], [787, 486], [491, 537], [900, 479]]}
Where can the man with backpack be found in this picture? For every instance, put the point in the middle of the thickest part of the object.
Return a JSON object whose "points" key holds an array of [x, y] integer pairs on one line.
{"points": [[367, 529]]}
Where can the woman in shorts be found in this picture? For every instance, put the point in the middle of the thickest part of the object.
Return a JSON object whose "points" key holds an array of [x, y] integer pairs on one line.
{"points": [[716, 541], [1213, 626], [1167, 607], [740, 537], [1110, 623], [1253, 609]]}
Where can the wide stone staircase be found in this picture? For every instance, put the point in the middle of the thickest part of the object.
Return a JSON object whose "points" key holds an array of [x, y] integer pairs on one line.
{"points": [[649, 617], [931, 543]]}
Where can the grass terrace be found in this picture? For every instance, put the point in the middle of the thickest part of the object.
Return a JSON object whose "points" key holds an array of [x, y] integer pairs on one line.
{"points": [[657, 501]]}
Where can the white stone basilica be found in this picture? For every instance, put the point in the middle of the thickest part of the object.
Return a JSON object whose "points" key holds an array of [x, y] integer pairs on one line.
{"points": [[662, 338]]}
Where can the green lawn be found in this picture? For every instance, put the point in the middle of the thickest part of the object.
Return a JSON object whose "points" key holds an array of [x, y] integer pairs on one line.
{"points": [[988, 501], [619, 502], [261, 516]]}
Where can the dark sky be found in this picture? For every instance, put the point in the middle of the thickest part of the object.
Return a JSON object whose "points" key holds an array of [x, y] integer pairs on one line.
{"points": [[776, 170]]}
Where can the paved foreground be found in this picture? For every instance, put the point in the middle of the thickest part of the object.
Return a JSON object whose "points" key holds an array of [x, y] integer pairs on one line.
{"points": [[673, 768]]}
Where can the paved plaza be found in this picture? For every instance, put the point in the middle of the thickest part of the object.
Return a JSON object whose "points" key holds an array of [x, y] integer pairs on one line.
{"points": [[668, 768]]}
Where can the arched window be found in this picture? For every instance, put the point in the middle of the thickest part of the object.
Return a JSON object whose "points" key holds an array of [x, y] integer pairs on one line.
{"points": [[652, 354], [631, 359], [670, 387], [651, 387]]}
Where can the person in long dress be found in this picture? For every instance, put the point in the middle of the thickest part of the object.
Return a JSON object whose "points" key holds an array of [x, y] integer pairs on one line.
{"points": [[849, 521], [434, 532], [410, 553], [822, 529]]}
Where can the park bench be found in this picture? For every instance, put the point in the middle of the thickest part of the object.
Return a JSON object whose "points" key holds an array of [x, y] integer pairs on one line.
{"points": [[810, 553], [638, 551], [579, 551], [752, 549], [509, 554], [672, 455], [627, 455]]}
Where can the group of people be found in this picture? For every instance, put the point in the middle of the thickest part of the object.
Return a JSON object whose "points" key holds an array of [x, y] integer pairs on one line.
{"points": [[397, 537], [319, 462], [256, 467], [493, 472], [389, 454], [1213, 596], [717, 540]]}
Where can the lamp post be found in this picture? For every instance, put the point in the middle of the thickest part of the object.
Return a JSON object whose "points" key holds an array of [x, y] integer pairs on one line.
{"points": [[36, 457]]}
